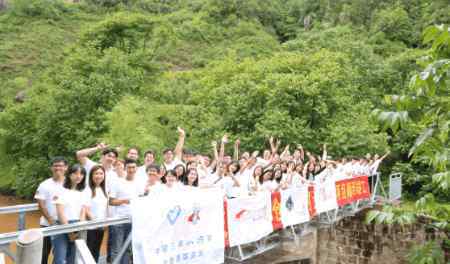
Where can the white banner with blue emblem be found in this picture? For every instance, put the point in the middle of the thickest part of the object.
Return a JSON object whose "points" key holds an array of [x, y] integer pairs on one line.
{"points": [[325, 195], [179, 226], [294, 206]]}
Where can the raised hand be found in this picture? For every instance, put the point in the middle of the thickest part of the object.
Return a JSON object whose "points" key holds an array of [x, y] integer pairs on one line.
{"points": [[181, 131], [102, 146], [225, 139]]}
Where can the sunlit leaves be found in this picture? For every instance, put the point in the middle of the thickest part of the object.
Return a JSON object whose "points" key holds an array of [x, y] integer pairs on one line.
{"points": [[429, 253], [390, 215]]}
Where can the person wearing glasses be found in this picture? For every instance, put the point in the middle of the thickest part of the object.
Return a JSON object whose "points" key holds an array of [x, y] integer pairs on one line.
{"points": [[47, 192]]}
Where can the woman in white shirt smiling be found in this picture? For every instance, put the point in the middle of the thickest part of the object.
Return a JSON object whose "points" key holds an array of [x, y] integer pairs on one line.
{"points": [[70, 207], [98, 207]]}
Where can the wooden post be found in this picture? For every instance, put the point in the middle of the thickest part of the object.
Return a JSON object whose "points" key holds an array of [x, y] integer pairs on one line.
{"points": [[29, 247]]}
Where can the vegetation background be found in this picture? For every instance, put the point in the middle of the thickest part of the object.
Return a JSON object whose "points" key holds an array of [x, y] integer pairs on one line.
{"points": [[363, 76]]}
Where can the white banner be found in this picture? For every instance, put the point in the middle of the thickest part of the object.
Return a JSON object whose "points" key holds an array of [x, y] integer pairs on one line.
{"points": [[179, 226], [325, 195], [294, 206], [249, 218]]}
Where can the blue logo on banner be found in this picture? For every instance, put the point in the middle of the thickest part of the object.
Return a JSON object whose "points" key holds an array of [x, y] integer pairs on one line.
{"points": [[173, 214]]}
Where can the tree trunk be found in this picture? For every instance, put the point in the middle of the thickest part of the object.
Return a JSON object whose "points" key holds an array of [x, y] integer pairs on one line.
{"points": [[2, 4]]}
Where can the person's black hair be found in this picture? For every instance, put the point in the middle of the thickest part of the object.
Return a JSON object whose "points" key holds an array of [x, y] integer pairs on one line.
{"points": [[167, 150], [188, 152], [91, 180], [110, 150], [163, 178], [130, 161], [261, 179], [238, 167], [133, 147], [254, 170], [152, 166], [73, 169], [186, 181], [183, 175], [149, 152], [57, 159], [281, 175]]}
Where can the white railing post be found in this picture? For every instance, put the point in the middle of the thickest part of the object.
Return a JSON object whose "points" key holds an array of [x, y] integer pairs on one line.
{"points": [[29, 247], [82, 253]]}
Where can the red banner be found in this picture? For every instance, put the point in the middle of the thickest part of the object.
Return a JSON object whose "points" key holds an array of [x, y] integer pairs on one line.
{"points": [[225, 213], [276, 214], [351, 190], [311, 202]]}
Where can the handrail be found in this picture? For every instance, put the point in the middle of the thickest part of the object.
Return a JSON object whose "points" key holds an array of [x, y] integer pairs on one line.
{"points": [[19, 208], [83, 254], [62, 229]]}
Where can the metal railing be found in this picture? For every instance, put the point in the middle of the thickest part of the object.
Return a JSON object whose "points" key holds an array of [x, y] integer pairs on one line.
{"points": [[237, 253], [83, 254]]}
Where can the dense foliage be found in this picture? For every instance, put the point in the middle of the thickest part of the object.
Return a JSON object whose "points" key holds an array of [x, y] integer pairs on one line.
{"points": [[129, 72]]}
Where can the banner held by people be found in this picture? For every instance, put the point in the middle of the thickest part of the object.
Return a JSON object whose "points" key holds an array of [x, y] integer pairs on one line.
{"points": [[294, 206], [325, 195], [249, 218], [176, 227]]}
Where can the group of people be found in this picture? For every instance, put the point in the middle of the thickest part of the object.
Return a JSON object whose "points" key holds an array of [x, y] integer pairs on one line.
{"points": [[93, 190]]}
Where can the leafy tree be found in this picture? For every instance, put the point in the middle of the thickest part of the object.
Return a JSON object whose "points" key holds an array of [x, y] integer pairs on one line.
{"points": [[427, 104]]}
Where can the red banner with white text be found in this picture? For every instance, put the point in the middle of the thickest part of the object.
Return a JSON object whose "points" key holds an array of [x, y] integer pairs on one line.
{"points": [[351, 190]]}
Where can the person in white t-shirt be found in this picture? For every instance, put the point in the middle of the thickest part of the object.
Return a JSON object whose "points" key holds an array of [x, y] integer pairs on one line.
{"points": [[122, 192], [97, 209], [153, 184], [47, 192], [71, 207], [141, 174], [133, 153], [191, 178], [169, 160], [109, 156], [267, 182]]}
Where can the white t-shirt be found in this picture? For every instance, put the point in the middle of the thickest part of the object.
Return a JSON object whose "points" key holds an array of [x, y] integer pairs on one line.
{"points": [[269, 186], [124, 189], [262, 162], [49, 191], [226, 183], [98, 204], [141, 177], [173, 164], [110, 177], [73, 202]]}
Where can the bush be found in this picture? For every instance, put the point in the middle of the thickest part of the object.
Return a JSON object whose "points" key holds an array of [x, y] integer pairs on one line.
{"points": [[48, 9]]}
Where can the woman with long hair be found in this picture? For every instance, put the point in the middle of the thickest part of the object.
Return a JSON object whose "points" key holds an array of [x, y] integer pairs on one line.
{"points": [[71, 207], [191, 178], [98, 207]]}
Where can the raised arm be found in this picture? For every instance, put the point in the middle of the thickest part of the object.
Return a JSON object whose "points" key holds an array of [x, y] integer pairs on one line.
{"points": [[237, 143], [222, 147], [274, 146], [179, 147], [385, 155], [82, 155], [324, 154], [215, 154], [285, 152]]}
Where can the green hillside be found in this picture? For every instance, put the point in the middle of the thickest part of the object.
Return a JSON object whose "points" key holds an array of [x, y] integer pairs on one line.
{"points": [[129, 72]]}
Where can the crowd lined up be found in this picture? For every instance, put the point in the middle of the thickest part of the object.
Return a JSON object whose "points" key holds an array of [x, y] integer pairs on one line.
{"points": [[93, 190]]}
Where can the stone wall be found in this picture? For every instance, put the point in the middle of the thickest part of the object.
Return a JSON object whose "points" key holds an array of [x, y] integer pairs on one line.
{"points": [[353, 242], [350, 241]]}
